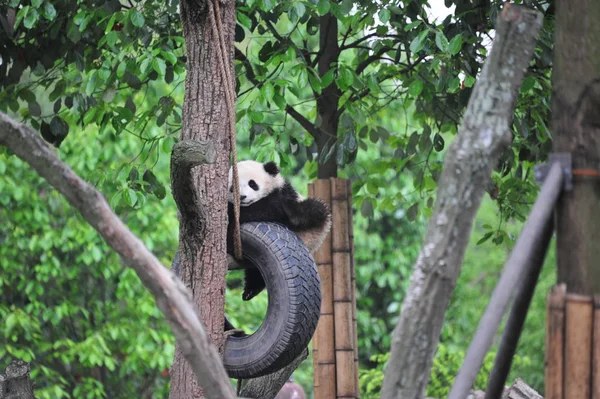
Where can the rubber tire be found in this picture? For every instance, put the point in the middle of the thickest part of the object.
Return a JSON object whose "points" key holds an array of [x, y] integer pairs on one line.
{"points": [[294, 289]]}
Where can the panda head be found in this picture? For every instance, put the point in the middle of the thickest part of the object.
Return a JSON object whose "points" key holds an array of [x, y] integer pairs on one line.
{"points": [[257, 180]]}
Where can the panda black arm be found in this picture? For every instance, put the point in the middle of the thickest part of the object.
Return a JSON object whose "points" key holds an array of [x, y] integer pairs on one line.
{"points": [[307, 214]]}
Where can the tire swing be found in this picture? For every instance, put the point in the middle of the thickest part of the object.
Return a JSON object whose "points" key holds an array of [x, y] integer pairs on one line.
{"points": [[294, 290], [289, 271]]}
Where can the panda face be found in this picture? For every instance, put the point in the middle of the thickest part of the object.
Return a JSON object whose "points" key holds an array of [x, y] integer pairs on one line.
{"points": [[257, 181]]}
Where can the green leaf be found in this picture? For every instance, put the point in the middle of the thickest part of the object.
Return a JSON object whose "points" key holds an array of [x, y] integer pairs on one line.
{"points": [[31, 18], [418, 42], [441, 41], [438, 142], [91, 83], [470, 81], [59, 127], [415, 88], [268, 91], [485, 237], [89, 115], [169, 56], [35, 109], [49, 11], [455, 44], [137, 19], [323, 7], [121, 69], [36, 3], [155, 186], [412, 212], [159, 65], [412, 25], [366, 209], [384, 15]]}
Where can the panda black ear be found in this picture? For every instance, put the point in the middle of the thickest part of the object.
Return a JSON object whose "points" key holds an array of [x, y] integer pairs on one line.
{"points": [[271, 168]]}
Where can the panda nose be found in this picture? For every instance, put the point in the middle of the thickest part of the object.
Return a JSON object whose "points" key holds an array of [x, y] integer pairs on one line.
{"points": [[242, 197]]}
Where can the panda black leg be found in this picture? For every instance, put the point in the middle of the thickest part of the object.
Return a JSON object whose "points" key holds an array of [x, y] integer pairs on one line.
{"points": [[308, 214], [230, 330], [254, 284]]}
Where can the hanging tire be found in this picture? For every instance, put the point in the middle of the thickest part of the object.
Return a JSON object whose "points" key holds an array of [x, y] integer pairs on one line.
{"points": [[294, 290]]}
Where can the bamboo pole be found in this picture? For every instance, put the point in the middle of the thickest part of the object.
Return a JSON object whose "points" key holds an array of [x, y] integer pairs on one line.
{"points": [[578, 346], [342, 291], [324, 358], [555, 323], [353, 281], [596, 351], [315, 340]]}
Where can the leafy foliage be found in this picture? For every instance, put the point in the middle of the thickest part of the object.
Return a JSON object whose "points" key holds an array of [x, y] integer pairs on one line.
{"points": [[372, 90], [67, 300]]}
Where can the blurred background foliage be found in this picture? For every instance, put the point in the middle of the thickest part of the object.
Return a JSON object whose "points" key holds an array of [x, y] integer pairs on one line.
{"points": [[102, 80]]}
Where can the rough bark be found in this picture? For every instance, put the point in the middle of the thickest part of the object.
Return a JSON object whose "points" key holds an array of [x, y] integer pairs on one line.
{"points": [[202, 245], [576, 129], [172, 298], [484, 134], [15, 383], [268, 386], [327, 102]]}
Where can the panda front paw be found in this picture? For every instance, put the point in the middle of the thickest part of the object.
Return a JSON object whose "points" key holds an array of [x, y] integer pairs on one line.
{"points": [[250, 293], [254, 284]]}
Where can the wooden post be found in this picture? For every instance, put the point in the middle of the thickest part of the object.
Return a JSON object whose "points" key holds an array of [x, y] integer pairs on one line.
{"points": [[578, 346], [555, 327], [335, 349], [353, 278], [596, 351], [342, 290], [324, 356]]}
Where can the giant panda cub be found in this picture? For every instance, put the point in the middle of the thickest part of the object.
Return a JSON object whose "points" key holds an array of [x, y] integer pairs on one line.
{"points": [[265, 196]]}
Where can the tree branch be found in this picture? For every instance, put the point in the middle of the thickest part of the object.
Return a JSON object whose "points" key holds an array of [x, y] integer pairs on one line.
{"points": [[372, 58], [187, 154], [172, 297], [484, 134], [305, 123], [268, 386]]}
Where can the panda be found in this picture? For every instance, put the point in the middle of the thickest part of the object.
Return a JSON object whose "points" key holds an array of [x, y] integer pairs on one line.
{"points": [[265, 196]]}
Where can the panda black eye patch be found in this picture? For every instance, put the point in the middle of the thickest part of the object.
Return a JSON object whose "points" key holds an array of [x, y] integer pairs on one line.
{"points": [[253, 185]]}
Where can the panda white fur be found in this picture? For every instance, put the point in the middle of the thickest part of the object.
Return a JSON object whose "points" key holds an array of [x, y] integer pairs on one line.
{"points": [[265, 196]]}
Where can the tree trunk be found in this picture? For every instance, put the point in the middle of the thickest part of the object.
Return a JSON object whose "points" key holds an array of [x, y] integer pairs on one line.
{"points": [[15, 383], [327, 103], [576, 129], [483, 135], [202, 244]]}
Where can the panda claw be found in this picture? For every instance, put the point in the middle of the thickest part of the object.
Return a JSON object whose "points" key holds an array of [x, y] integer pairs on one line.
{"points": [[249, 294]]}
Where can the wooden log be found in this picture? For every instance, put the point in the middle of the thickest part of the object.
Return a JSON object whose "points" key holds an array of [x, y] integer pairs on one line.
{"points": [[596, 350], [324, 358], [342, 290], [353, 281], [555, 324], [578, 346]]}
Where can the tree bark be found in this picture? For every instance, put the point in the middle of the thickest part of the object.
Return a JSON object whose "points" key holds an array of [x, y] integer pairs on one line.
{"points": [[576, 129], [15, 382], [202, 244], [268, 386], [327, 102], [172, 298], [484, 134]]}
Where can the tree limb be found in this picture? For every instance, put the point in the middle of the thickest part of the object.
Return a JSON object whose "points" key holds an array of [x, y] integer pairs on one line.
{"points": [[172, 297], [187, 154], [484, 134], [268, 386]]}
